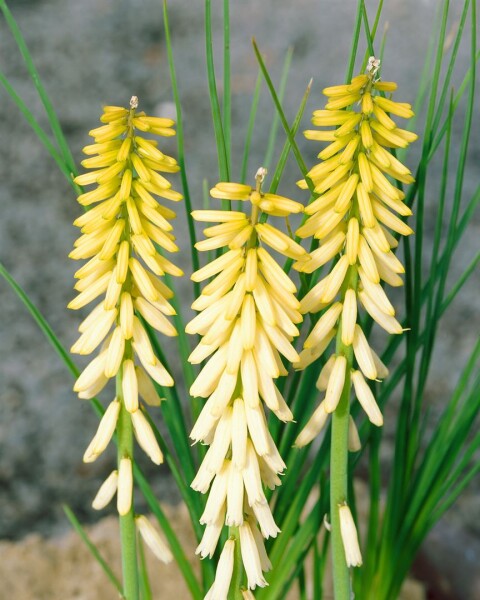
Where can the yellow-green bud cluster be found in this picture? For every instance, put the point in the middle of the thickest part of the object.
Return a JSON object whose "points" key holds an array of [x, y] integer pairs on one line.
{"points": [[353, 219]]}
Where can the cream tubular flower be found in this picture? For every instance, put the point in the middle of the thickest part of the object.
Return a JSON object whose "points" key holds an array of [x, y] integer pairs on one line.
{"points": [[124, 236], [247, 320], [104, 433], [251, 557], [223, 577], [106, 491], [125, 486], [348, 530], [153, 540], [357, 213]]}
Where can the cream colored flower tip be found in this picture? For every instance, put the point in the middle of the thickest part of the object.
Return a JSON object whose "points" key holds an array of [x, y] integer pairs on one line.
{"points": [[366, 398], [153, 540], [354, 443], [229, 489], [104, 432], [146, 437], [223, 576], [236, 228], [129, 386], [251, 557], [146, 389], [120, 235], [125, 487], [349, 535], [335, 384], [314, 426], [106, 491]]}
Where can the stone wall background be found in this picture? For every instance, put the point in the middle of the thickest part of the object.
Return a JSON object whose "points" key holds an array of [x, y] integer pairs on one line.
{"points": [[103, 51]]}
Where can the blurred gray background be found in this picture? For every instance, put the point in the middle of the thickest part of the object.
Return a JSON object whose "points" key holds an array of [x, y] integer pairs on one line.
{"points": [[94, 52]]}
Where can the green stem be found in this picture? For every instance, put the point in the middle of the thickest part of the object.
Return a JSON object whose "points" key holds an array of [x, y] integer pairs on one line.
{"points": [[127, 522], [235, 592], [338, 490], [339, 476]]}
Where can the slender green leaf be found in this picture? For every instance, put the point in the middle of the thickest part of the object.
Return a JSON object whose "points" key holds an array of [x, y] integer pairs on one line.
{"points": [[40, 133], [281, 114], [227, 91], [250, 128], [93, 549], [40, 320], [275, 121], [51, 114], [282, 161], [355, 39], [143, 578], [215, 105], [181, 146]]}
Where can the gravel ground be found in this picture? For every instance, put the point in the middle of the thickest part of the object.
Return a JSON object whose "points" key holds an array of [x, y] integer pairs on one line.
{"points": [[102, 51]]}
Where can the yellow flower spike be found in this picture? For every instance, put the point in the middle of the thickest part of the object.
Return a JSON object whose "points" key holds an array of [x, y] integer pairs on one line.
{"points": [[248, 318], [119, 238], [358, 207]]}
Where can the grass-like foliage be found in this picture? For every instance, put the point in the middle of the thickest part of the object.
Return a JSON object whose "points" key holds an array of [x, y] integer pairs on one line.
{"points": [[268, 324]]}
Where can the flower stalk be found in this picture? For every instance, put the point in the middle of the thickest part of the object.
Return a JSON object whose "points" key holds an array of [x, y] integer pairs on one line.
{"points": [[128, 535], [339, 477], [352, 218], [235, 592]]}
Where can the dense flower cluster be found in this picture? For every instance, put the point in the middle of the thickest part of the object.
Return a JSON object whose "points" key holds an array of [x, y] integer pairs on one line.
{"points": [[248, 313], [248, 318], [353, 218], [121, 232]]}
